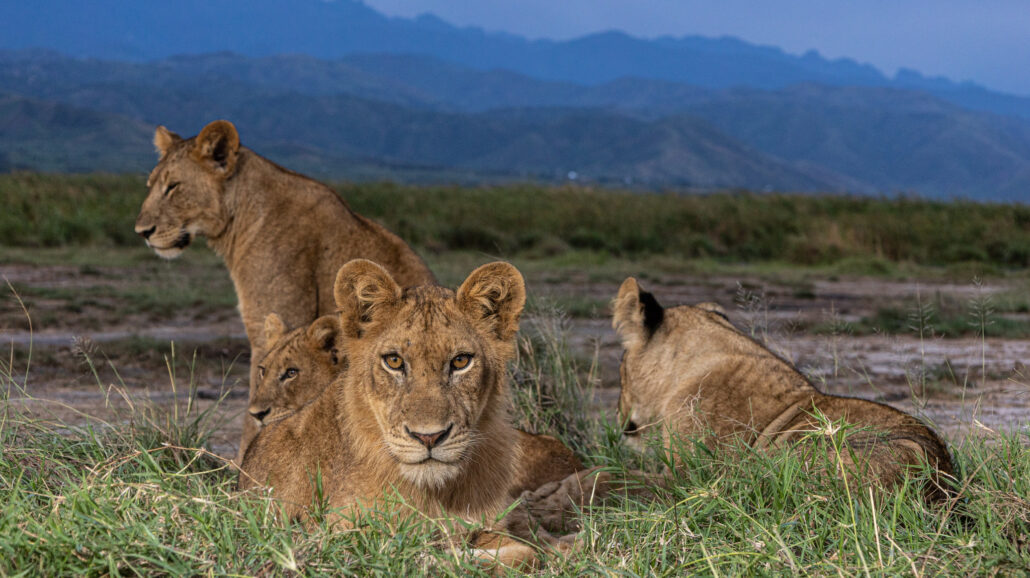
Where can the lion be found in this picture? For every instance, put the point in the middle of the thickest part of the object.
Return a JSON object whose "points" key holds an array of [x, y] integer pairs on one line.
{"points": [[421, 409], [301, 363], [282, 235], [298, 366], [688, 372]]}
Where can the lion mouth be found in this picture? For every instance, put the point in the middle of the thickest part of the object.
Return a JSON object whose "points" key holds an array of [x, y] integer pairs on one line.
{"points": [[183, 241], [430, 472]]}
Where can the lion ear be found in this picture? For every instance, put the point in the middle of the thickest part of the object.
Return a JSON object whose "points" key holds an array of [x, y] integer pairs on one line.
{"points": [[324, 332], [636, 314], [364, 293], [495, 295], [713, 307], [164, 140], [274, 329], [217, 147]]}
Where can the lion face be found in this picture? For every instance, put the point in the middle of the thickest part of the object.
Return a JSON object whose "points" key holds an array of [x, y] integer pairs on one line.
{"points": [[428, 364], [299, 365], [185, 188]]}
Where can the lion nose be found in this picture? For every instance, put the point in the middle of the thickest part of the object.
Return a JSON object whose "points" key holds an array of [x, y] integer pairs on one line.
{"points": [[630, 429], [430, 440], [261, 415], [146, 233]]}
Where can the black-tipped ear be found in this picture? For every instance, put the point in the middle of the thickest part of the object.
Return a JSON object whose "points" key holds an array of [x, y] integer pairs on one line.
{"points": [[653, 312], [636, 314]]}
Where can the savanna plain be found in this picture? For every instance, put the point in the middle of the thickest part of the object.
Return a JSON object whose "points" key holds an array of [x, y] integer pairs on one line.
{"points": [[123, 380]]}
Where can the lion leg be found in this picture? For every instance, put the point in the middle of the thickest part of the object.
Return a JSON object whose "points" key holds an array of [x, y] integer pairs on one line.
{"points": [[250, 426], [553, 507], [502, 552]]}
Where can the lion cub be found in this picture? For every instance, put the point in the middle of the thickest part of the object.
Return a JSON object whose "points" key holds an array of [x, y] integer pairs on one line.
{"points": [[688, 371], [421, 407], [298, 366], [301, 363]]}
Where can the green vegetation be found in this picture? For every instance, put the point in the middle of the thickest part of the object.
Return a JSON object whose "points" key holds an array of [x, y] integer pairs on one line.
{"points": [[849, 235], [146, 498], [941, 315]]}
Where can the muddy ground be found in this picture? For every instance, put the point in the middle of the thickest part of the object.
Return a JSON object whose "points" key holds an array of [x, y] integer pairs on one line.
{"points": [[117, 339]]}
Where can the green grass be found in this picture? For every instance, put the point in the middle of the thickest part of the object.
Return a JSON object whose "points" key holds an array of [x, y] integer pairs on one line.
{"points": [[855, 235], [157, 300], [1002, 316], [141, 495]]}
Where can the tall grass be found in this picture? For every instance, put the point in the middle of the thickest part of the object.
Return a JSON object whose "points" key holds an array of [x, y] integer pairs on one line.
{"points": [[55, 210], [149, 499]]}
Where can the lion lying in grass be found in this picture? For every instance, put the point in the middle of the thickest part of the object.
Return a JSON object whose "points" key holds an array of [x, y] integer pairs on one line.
{"points": [[301, 363], [688, 372], [421, 409], [283, 236]]}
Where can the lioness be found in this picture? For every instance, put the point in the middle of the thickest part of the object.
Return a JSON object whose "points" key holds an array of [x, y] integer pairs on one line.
{"points": [[301, 363], [421, 408], [687, 371], [282, 235]]}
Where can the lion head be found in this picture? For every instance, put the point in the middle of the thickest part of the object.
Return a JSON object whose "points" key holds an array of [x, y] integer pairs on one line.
{"points": [[298, 366], [185, 197], [426, 382]]}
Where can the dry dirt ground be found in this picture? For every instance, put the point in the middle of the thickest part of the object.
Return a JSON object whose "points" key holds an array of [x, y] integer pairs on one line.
{"points": [[112, 342]]}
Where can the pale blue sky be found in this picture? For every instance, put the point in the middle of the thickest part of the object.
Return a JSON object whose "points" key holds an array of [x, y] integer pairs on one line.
{"points": [[986, 41]]}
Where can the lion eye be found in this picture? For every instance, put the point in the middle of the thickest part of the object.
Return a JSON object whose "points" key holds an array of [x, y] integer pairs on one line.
{"points": [[170, 188], [261, 372], [393, 361], [290, 373], [461, 361]]}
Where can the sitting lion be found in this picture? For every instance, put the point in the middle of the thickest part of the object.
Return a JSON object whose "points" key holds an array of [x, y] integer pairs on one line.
{"points": [[282, 235], [301, 363], [687, 371], [421, 409]]}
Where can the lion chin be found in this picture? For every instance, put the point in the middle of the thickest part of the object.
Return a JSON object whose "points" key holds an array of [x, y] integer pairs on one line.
{"points": [[181, 242], [430, 473], [169, 253]]}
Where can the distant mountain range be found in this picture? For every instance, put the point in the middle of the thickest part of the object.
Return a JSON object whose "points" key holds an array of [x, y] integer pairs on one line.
{"points": [[330, 29], [339, 90]]}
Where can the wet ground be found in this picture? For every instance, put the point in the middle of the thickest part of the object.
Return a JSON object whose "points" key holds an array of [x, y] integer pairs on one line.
{"points": [[109, 341]]}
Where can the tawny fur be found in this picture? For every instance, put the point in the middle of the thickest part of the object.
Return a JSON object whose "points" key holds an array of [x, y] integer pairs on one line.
{"points": [[282, 235], [299, 365], [314, 353], [356, 433], [541, 459], [688, 372]]}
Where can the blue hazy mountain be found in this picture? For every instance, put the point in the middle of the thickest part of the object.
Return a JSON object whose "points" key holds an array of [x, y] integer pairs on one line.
{"points": [[339, 90], [134, 30], [335, 117]]}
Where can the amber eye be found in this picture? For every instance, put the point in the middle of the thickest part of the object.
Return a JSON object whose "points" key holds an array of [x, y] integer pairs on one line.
{"points": [[461, 361], [290, 373], [393, 361]]}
